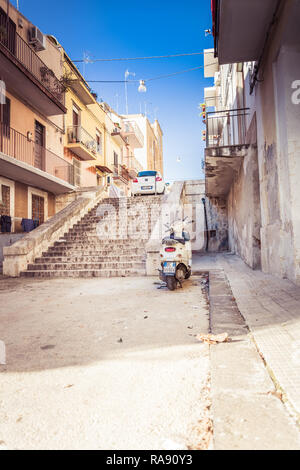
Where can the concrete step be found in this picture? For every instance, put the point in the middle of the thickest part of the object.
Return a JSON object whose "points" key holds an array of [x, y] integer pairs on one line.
{"points": [[85, 273], [84, 266], [94, 238], [97, 244], [93, 252], [88, 259]]}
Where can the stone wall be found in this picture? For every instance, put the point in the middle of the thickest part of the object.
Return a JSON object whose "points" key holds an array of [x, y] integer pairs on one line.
{"points": [[244, 219]]}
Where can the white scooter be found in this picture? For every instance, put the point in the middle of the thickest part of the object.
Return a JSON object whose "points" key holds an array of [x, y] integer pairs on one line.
{"points": [[176, 255]]}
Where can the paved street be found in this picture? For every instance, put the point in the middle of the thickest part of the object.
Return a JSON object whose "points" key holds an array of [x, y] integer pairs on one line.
{"points": [[103, 364], [255, 380]]}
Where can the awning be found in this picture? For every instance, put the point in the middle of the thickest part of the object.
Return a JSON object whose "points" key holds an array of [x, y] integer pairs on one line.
{"points": [[103, 169]]}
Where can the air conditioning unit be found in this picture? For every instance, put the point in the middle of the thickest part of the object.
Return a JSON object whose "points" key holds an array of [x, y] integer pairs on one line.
{"points": [[37, 39]]}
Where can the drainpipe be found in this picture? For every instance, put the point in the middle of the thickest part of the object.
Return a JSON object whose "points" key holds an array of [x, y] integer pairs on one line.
{"points": [[206, 224], [258, 65]]}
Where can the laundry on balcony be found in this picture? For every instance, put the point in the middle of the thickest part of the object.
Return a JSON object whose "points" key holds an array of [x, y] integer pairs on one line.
{"points": [[29, 224], [5, 222]]}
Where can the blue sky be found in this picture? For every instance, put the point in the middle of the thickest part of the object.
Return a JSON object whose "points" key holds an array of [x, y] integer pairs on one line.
{"points": [[106, 29]]}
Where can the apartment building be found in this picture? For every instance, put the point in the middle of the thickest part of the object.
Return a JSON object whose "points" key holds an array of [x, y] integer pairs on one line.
{"points": [[32, 166], [85, 129], [252, 131], [150, 155], [123, 138], [55, 137]]}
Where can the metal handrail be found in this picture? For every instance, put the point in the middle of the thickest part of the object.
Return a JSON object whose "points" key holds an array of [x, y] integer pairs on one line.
{"points": [[26, 56], [77, 134], [18, 146], [226, 127]]}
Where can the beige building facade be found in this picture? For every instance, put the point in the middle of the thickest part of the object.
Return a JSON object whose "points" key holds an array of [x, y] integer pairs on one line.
{"points": [[150, 155], [32, 167]]}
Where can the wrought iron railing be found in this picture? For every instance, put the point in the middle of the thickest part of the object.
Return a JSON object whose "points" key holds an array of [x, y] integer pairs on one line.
{"points": [[77, 134], [25, 55], [226, 128], [121, 173], [18, 146], [132, 163], [130, 127]]}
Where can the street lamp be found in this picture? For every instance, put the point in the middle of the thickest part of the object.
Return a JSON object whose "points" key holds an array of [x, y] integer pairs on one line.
{"points": [[142, 88], [127, 73]]}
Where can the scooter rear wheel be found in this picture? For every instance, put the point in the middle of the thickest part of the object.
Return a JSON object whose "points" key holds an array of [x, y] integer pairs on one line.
{"points": [[171, 283]]}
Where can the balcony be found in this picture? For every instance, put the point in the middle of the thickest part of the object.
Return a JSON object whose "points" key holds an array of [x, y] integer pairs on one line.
{"points": [[133, 134], [26, 75], [121, 173], [240, 28], [23, 160], [82, 143], [118, 137], [226, 146], [133, 165]]}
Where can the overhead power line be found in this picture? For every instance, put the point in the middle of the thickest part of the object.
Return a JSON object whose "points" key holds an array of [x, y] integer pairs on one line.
{"points": [[87, 60], [147, 79]]}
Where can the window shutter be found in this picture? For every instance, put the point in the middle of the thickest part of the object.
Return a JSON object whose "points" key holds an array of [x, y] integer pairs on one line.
{"points": [[77, 172]]}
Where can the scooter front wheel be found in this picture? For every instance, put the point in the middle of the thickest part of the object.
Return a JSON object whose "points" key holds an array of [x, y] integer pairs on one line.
{"points": [[171, 283]]}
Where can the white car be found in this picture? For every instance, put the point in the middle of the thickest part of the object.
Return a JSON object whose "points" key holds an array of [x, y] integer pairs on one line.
{"points": [[148, 182]]}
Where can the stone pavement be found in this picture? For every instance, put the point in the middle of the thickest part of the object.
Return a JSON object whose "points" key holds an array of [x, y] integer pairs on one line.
{"points": [[271, 308], [103, 364]]}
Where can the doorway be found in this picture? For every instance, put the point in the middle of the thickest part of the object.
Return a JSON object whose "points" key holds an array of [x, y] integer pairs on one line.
{"points": [[39, 153], [38, 208]]}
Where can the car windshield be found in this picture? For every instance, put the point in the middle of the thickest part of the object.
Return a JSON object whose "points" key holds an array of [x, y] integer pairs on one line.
{"points": [[147, 173]]}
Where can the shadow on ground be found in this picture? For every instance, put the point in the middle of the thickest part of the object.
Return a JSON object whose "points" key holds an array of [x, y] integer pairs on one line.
{"points": [[70, 322]]}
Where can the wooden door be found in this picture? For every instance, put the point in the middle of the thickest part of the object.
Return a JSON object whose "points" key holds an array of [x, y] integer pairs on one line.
{"points": [[39, 146], [38, 208], [5, 205], [7, 32]]}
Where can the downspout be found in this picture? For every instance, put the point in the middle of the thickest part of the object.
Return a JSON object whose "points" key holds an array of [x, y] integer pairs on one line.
{"points": [[206, 224], [267, 38]]}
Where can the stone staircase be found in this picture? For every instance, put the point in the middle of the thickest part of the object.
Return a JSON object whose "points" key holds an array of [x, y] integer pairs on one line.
{"points": [[85, 252]]}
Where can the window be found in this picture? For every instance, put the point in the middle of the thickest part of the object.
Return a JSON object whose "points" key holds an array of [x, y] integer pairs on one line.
{"points": [[76, 116], [38, 208], [5, 117], [99, 142], [147, 173], [77, 172], [7, 32], [116, 159], [5, 205]]}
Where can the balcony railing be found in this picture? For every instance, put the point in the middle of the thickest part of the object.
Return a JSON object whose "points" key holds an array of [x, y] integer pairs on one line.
{"points": [[26, 56], [18, 146], [226, 128], [77, 134], [121, 173], [130, 128], [132, 163]]}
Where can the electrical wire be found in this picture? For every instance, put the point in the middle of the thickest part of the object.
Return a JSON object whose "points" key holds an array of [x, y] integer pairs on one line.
{"points": [[90, 61], [149, 79]]}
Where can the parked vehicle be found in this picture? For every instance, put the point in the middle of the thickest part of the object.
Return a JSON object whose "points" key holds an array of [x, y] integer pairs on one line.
{"points": [[176, 255], [148, 182]]}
